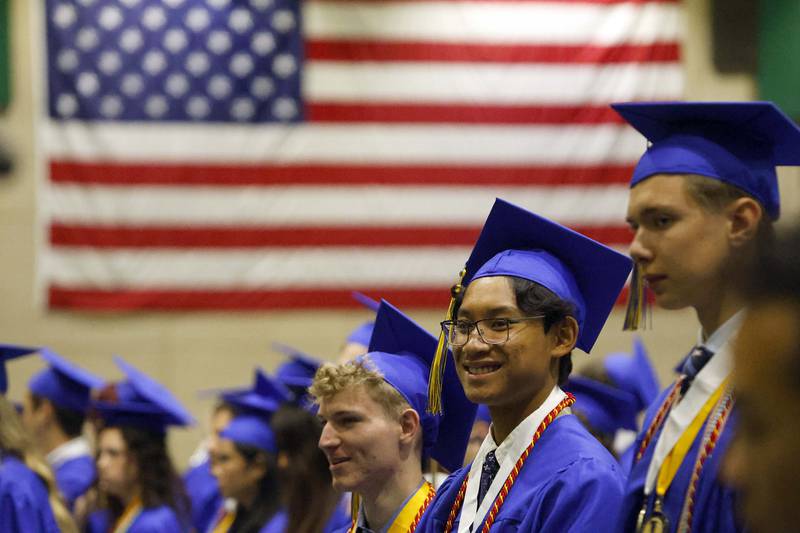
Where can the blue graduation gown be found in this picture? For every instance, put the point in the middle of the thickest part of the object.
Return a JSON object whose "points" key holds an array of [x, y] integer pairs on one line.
{"points": [[569, 483], [203, 491], [24, 505], [715, 503], [74, 477], [160, 519]]}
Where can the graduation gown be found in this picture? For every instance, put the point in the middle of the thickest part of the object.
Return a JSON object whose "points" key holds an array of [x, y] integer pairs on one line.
{"points": [[24, 505], [203, 492], [715, 503], [160, 519], [74, 477], [279, 521], [569, 483]]}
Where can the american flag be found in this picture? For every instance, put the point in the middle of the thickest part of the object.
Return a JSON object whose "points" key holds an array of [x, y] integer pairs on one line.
{"points": [[235, 154]]}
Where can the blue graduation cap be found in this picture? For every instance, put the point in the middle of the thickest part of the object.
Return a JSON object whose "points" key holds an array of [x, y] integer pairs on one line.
{"points": [[402, 351], [590, 275], [265, 396], [363, 333], [8, 352], [298, 372], [739, 143], [251, 430], [515, 242], [606, 408], [634, 373], [143, 402], [65, 384]]}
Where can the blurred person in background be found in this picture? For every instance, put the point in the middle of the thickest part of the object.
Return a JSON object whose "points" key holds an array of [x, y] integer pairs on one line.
{"points": [[29, 498], [55, 410], [763, 460], [200, 483], [310, 502], [139, 490], [243, 460]]}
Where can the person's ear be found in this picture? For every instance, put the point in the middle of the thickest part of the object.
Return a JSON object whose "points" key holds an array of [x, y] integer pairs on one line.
{"points": [[744, 215], [410, 425], [564, 336]]}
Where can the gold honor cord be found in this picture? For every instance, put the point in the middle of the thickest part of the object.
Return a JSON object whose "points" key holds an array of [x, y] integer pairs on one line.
{"points": [[225, 521], [409, 516], [657, 522], [129, 515]]}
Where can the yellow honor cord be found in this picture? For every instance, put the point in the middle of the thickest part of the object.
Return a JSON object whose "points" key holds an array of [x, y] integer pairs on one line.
{"points": [[407, 515], [676, 456], [128, 516], [225, 522], [436, 376]]}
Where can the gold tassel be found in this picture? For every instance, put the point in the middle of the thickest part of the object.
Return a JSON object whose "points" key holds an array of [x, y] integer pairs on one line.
{"points": [[440, 357], [637, 311], [355, 503]]}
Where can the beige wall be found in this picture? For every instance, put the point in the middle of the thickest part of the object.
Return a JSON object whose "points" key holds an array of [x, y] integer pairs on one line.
{"points": [[192, 351]]}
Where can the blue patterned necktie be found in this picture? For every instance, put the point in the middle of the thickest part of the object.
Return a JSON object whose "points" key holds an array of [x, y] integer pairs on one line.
{"points": [[488, 471], [694, 364]]}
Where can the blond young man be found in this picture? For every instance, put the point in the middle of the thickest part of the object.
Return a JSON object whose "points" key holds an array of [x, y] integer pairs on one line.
{"points": [[376, 431]]}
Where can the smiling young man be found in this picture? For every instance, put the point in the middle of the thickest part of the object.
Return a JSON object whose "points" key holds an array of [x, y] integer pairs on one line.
{"points": [[531, 291], [376, 431], [702, 201]]}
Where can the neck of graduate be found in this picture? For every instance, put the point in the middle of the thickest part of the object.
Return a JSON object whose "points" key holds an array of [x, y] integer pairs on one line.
{"points": [[506, 417], [382, 500]]}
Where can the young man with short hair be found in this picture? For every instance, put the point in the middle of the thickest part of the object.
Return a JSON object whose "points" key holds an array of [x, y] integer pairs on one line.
{"points": [[376, 430], [702, 201], [54, 413]]}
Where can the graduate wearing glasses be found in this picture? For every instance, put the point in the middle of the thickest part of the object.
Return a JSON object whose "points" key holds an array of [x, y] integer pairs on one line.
{"points": [[531, 291]]}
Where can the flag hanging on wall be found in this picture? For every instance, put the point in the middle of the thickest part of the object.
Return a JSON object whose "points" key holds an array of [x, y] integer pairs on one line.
{"points": [[232, 154]]}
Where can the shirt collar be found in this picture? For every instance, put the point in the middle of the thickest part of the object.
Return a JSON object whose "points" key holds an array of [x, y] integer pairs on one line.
{"points": [[71, 449], [723, 333]]}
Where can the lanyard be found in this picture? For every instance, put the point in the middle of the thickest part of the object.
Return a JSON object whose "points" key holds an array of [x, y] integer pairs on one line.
{"points": [[128, 516], [669, 468]]}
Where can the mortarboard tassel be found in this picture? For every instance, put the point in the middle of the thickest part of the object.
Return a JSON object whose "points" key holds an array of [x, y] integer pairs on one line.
{"points": [[637, 301], [440, 357], [355, 503]]}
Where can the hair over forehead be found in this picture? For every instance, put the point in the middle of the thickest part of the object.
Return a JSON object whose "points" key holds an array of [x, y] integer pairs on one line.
{"points": [[333, 379]]}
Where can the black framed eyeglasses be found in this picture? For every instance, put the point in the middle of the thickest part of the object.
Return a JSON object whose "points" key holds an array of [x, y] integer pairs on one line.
{"points": [[490, 330]]}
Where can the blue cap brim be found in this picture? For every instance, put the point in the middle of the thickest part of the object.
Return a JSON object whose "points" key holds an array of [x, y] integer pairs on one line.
{"points": [[251, 431]]}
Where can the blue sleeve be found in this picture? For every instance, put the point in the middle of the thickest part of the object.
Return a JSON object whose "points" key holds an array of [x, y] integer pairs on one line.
{"points": [[16, 516], [586, 497]]}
